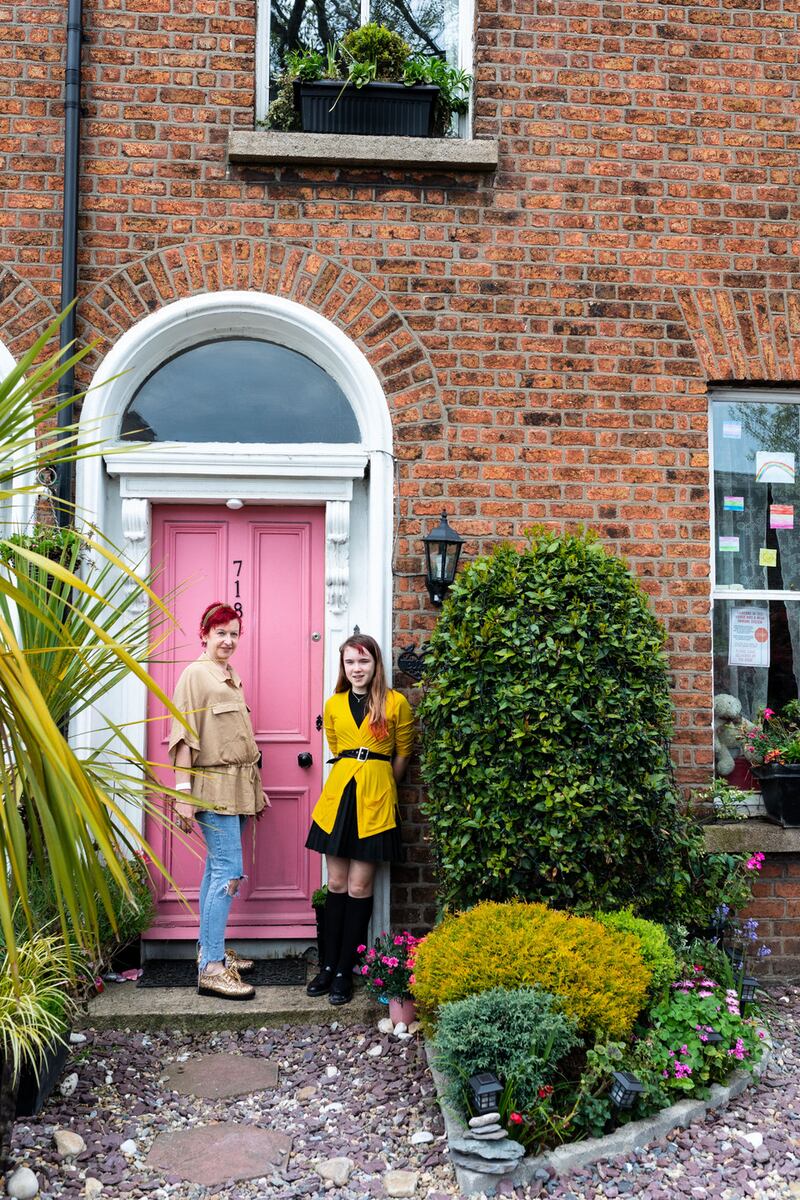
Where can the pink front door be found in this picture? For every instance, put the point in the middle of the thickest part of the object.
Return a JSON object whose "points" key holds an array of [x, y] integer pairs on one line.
{"points": [[269, 561]]}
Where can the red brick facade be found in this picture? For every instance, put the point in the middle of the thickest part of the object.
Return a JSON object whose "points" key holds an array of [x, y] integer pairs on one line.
{"points": [[546, 336]]}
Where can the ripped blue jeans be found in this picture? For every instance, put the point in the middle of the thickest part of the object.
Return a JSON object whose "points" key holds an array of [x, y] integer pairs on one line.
{"points": [[222, 833]]}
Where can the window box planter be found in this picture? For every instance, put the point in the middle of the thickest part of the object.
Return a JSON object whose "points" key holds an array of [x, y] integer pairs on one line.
{"points": [[384, 109], [780, 790]]}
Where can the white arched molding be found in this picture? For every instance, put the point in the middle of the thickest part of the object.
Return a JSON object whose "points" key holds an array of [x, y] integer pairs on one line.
{"points": [[17, 513], [353, 481]]}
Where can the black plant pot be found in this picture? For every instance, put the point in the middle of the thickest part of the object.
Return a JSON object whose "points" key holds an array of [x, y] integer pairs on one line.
{"points": [[780, 790], [32, 1093], [383, 109]]}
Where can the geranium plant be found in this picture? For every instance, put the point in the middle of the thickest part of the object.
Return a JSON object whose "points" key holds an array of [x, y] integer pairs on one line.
{"points": [[774, 738], [387, 967]]}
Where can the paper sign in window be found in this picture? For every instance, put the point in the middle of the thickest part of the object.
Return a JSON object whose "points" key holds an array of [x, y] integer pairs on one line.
{"points": [[748, 637], [774, 466], [733, 503], [767, 557], [731, 429], [781, 516], [729, 545]]}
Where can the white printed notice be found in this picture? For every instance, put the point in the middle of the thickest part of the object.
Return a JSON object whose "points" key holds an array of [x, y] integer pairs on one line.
{"points": [[748, 637], [732, 429]]}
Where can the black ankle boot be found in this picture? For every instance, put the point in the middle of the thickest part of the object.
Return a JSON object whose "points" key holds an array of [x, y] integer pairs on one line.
{"points": [[341, 990], [320, 985]]}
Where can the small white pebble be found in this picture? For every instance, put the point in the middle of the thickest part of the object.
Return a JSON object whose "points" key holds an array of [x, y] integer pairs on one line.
{"points": [[77, 1039], [385, 1025], [375, 1051], [414, 1027], [399, 1028], [69, 1084], [331, 1071], [129, 1147], [109, 1077]]}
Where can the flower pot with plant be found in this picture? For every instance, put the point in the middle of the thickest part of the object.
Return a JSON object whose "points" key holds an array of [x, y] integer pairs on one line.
{"points": [[387, 969], [772, 746], [369, 83]]}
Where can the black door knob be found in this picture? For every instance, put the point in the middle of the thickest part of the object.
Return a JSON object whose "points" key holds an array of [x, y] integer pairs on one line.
{"points": [[305, 760]]}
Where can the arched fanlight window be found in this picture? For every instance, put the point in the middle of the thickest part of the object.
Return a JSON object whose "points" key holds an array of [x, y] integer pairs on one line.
{"points": [[239, 390]]}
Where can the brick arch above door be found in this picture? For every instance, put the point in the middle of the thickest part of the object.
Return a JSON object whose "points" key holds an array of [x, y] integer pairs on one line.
{"points": [[345, 298]]}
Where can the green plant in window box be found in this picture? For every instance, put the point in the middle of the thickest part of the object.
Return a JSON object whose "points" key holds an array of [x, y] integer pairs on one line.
{"points": [[723, 801], [371, 54]]}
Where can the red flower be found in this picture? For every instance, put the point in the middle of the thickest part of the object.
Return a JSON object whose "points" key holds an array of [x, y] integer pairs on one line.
{"points": [[544, 1092], [515, 1118]]}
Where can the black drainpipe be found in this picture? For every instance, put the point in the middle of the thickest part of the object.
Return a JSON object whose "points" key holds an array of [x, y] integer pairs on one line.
{"points": [[69, 234]]}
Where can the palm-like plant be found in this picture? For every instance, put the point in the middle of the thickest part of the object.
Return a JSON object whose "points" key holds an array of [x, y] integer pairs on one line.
{"points": [[64, 641]]}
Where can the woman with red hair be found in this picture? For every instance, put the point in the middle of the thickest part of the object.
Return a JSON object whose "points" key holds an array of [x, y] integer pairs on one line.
{"points": [[217, 762], [370, 730]]}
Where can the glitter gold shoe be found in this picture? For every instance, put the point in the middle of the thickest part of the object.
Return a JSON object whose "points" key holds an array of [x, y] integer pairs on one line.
{"points": [[232, 959], [225, 984]]}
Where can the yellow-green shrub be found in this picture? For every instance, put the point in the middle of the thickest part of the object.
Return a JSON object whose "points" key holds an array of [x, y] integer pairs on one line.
{"points": [[598, 974], [653, 942]]}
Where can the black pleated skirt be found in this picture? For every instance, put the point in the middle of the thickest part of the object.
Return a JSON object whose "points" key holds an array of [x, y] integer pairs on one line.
{"points": [[343, 840]]}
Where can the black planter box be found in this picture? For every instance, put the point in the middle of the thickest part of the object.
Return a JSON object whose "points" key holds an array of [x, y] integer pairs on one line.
{"points": [[780, 790], [32, 1093], [385, 109]]}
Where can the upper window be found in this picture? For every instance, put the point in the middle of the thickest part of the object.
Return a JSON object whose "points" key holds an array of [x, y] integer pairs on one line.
{"points": [[239, 390], [756, 455], [441, 27]]}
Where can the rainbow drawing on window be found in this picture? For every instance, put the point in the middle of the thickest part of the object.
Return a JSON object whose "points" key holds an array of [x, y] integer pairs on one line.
{"points": [[774, 466]]}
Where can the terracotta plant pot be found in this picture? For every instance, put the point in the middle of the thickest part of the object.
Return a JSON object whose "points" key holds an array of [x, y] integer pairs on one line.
{"points": [[402, 1010]]}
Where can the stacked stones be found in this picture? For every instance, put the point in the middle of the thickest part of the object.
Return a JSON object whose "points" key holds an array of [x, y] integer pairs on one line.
{"points": [[487, 1147]]}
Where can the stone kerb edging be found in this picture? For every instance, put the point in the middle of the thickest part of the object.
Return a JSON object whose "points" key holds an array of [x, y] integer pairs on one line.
{"points": [[580, 1154]]}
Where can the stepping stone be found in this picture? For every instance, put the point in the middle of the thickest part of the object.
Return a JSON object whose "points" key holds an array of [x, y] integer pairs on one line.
{"points": [[215, 1076], [213, 1154]]}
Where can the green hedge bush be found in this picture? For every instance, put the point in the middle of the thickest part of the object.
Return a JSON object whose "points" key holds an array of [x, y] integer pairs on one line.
{"points": [[519, 1034], [653, 942], [546, 725]]}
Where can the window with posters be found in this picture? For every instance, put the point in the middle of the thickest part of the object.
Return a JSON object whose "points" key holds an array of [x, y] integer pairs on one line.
{"points": [[755, 444]]}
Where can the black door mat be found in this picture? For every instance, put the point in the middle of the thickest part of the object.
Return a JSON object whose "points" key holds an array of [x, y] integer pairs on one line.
{"points": [[182, 973]]}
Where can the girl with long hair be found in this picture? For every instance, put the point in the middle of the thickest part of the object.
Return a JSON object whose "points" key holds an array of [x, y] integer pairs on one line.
{"points": [[370, 731]]}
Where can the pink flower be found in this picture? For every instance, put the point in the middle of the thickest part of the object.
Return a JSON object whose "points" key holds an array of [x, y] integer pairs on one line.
{"points": [[365, 970], [768, 712], [378, 982], [399, 940], [361, 949], [756, 862], [412, 980]]}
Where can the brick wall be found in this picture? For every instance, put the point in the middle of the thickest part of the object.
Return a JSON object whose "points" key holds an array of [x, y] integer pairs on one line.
{"points": [[777, 907], [546, 336]]}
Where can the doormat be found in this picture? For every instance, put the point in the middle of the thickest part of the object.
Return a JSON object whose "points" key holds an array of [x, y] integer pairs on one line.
{"points": [[182, 973]]}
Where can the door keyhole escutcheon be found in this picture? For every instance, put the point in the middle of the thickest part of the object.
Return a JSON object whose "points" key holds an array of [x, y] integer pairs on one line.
{"points": [[305, 760]]}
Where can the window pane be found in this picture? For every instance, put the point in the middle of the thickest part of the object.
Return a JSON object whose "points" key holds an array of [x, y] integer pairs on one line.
{"points": [[296, 23], [756, 494], [240, 390], [429, 26]]}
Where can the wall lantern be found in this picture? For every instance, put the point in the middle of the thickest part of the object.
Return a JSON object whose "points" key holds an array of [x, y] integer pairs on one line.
{"points": [[442, 549], [486, 1090], [748, 989], [624, 1089]]}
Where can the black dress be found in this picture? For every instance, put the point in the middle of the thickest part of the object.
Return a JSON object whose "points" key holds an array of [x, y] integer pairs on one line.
{"points": [[343, 840]]}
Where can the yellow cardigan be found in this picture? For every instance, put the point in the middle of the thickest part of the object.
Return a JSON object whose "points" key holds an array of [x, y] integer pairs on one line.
{"points": [[376, 789]]}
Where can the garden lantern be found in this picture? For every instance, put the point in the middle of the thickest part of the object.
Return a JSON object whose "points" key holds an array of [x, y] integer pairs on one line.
{"points": [[712, 1037], [486, 1091], [442, 549], [624, 1089], [748, 989]]}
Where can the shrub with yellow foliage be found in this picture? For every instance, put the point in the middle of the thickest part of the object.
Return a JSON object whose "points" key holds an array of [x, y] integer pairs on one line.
{"points": [[598, 974]]}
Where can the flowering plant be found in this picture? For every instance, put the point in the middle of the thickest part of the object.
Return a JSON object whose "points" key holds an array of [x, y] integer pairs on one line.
{"points": [[774, 738], [684, 1028], [387, 967]]}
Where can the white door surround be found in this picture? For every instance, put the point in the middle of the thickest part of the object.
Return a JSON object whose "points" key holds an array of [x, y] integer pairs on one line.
{"points": [[115, 489]]}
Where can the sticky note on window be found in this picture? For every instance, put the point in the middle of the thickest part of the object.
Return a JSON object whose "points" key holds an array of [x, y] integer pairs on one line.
{"points": [[767, 558], [733, 503], [781, 516], [729, 545]]}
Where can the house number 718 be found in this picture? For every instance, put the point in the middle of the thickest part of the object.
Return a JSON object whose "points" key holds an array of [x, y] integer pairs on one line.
{"points": [[237, 562]]}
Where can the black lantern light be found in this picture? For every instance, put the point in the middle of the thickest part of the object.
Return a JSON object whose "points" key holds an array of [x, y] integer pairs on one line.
{"points": [[486, 1090], [713, 1038], [442, 548], [748, 989], [624, 1089]]}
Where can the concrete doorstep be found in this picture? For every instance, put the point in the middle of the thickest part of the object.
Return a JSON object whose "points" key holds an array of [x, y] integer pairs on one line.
{"points": [[124, 1006]]}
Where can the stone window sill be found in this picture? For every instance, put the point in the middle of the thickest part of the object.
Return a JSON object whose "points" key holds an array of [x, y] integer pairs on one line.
{"points": [[745, 837], [267, 148]]}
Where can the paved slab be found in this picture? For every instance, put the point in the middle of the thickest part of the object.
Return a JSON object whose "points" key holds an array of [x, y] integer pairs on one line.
{"points": [[213, 1154], [123, 1006], [214, 1076]]}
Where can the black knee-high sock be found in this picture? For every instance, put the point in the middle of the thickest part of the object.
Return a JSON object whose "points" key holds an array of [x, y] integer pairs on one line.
{"points": [[335, 909], [356, 923]]}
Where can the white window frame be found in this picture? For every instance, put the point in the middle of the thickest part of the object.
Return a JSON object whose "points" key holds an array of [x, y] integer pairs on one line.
{"points": [[466, 19]]}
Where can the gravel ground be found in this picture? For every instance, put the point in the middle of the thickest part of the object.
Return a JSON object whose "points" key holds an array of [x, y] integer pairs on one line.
{"points": [[368, 1107]]}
